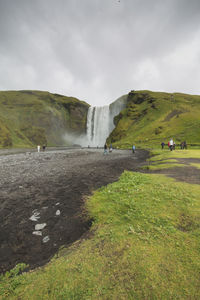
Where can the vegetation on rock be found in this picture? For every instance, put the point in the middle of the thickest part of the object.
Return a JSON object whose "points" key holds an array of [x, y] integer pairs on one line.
{"points": [[152, 117], [28, 118]]}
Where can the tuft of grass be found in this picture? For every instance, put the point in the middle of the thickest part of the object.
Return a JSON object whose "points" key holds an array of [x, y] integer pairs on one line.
{"points": [[160, 166], [145, 245], [196, 165]]}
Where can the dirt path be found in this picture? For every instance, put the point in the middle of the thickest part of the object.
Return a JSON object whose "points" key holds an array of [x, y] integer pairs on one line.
{"points": [[186, 173], [50, 188]]}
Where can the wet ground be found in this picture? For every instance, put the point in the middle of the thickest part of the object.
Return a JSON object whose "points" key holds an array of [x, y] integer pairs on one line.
{"points": [[42, 198]]}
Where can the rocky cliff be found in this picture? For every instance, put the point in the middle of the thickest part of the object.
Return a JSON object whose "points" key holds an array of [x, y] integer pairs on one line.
{"points": [[152, 117], [28, 118]]}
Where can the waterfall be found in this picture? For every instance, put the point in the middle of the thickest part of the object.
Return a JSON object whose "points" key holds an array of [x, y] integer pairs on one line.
{"points": [[100, 121], [97, 125]]}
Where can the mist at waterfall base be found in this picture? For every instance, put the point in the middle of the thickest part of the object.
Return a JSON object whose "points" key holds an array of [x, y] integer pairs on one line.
{"points": [[100, 123]]}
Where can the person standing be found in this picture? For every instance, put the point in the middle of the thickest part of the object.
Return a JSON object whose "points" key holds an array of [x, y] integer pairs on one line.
{"points": [[162, 145], [171, 144], [133, 148], [182, 145], [105, 148]]}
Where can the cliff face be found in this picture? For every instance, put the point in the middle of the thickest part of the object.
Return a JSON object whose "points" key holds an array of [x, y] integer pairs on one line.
{"points": [[152, 117], [28, 118]]}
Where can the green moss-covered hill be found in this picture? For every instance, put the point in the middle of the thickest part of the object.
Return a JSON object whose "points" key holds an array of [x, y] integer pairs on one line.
{"points": [[152, 117], [28, 118]]}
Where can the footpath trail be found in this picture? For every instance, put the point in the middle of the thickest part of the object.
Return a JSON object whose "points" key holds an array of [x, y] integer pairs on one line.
{"points": [[42, 198], [186, 172]]}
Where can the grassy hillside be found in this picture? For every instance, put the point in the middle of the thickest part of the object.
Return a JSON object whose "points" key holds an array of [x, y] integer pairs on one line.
{"points": [[153, 117], [28, 118], [144, 244]]}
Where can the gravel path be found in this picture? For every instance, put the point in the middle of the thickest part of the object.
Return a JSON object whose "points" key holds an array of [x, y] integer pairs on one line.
{"points": [[42, 198]]}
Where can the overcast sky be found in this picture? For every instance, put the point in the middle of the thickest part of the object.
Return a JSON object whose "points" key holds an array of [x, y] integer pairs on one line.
{"points": [[98, 50]]}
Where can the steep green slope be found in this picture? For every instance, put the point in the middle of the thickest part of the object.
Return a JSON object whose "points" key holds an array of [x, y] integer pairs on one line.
{"points": [[152, 117], [28, 118]]}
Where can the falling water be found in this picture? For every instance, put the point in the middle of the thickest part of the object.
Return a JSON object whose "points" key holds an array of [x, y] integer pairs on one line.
{"points": [[97, 125], [100, 121]]}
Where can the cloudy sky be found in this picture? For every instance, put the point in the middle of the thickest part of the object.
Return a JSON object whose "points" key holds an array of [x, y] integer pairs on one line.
{"points": [[98, 50]]}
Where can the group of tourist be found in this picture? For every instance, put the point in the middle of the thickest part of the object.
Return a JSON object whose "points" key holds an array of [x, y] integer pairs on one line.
{"points": [[110, 148], [43, 148], [171, 145], [183, 145], [107, 148]]}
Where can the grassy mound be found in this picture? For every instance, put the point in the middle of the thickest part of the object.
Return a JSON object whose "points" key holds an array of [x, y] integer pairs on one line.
{"points": [[144, 244], [28, 118], [153, 117]]}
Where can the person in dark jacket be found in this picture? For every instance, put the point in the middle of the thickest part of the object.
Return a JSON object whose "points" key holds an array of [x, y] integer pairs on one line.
{"points": [[105, 148]]}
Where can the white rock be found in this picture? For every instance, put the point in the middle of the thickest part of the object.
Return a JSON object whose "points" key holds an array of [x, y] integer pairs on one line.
{"points": [[46, 239], [40, 226], [37, 233], [45, 207], [57, 203], [58, 212], [35, 216]]}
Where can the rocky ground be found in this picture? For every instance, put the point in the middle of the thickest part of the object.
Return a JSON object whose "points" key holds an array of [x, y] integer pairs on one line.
{"points": [[42, 198]]}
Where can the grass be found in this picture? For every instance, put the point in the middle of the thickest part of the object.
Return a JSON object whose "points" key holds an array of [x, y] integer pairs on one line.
{"points": [[195, 165], [29, 118], [144, 245], [165, 159], [153, 117], [166, 154], [161, 165]]}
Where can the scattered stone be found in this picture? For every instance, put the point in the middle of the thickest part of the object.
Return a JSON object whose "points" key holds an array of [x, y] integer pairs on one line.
{"points": [[46, 239], [40, 226], [58, 212], [44, 207], [20, 187], [35, 216], [37, 233], [57, 203]]}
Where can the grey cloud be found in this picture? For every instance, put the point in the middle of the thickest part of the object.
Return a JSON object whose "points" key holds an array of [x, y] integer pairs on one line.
{"points": [[94, 49]]}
